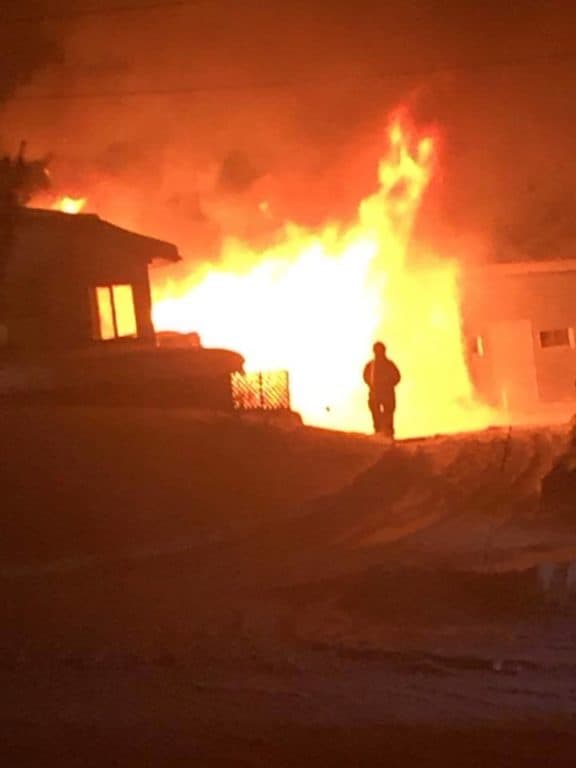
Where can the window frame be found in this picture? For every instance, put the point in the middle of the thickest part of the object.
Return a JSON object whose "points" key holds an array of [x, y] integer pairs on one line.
{"points": [[97, 317], [568, 343]]}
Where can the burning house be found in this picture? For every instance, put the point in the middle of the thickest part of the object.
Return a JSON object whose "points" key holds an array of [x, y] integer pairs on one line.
{"points": [[77, 320], [312, 301], [72, 281], [520, 323]]}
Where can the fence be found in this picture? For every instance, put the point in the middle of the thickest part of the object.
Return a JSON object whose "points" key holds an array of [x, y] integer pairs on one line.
{"points": [[262, 391]]}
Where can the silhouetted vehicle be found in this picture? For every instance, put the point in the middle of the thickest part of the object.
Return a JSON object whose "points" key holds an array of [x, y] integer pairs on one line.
{"points": [[124, 375]]}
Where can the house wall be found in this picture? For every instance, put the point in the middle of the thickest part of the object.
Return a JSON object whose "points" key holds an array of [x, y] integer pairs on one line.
{"points": [[508, 312], [44, 305], [48, 301]]}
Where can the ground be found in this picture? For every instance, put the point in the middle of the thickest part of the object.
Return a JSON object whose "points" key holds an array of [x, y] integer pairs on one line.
{"points": [[181, 587]]}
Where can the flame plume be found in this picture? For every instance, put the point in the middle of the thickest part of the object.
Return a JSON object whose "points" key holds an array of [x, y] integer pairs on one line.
{"points": [[316, 301]]}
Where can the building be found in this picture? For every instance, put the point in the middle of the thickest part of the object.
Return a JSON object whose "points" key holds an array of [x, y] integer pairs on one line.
{"points": [[74, 280], [520, 325], [77, 322]]}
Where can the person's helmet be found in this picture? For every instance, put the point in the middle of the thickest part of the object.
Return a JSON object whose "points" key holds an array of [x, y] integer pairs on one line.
{"points": [[379, 348]]}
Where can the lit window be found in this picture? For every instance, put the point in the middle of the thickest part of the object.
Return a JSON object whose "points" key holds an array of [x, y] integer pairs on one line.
{"points": [[115, 312], [559, 337], [123, 300], [105, 313]]}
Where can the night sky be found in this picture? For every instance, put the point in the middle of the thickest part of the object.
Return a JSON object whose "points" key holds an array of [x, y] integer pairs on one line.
{"points": [[196, 109]]}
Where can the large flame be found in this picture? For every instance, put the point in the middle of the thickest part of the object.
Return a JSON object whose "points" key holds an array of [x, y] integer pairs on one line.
{"points": [[315, 302]]}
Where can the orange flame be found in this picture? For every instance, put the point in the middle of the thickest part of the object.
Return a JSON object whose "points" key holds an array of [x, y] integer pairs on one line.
{"points": [[69, 204], [315, 302]]}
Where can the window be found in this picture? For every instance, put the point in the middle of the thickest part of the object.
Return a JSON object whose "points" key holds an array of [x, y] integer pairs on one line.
{"points": [[559, 337], [116, 317]]}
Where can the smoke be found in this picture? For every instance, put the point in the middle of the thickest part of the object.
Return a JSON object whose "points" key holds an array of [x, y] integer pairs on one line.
{"points": [[24, 52], [27, 49], [232, 118]]}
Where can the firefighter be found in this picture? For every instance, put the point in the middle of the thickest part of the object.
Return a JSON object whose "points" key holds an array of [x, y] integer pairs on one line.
{"points": [[382, 376]]}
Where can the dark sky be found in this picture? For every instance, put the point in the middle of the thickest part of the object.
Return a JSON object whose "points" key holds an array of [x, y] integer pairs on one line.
{"points": [[289, 102]]}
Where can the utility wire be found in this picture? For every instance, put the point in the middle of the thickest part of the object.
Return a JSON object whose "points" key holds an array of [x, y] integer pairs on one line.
{"points": [[312, 82], [95, 12]]}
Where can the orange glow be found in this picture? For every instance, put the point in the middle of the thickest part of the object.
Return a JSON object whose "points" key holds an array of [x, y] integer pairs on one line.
{"points": [[105, 313], [116, 315], [315, 302], [123, 298], [69, 204]]}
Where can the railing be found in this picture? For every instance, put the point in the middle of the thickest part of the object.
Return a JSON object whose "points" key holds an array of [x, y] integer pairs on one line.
{"points": [[262, 391]]}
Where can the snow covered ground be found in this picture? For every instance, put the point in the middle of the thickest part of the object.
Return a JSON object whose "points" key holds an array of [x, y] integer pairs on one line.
{"points": [[169, 570]]}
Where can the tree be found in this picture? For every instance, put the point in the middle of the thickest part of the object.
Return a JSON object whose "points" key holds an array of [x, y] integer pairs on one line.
{"points": [[20, 180]]}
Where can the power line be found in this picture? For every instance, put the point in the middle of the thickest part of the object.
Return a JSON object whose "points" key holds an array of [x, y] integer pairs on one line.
{"points": [[95, 12], [312, 82], [136, 92]]}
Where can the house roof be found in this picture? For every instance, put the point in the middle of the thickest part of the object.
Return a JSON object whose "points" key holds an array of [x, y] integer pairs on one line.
{"points": [[89, 231]]}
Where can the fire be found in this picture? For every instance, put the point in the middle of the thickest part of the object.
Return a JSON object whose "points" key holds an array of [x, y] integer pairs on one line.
{"points": [[69, 204], [314, 303]]}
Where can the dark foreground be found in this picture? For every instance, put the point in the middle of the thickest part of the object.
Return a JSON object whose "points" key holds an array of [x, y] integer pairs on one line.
{"points": [[183, 590], [49, 745]]}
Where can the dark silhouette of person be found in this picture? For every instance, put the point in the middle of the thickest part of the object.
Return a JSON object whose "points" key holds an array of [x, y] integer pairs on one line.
{"points": [[382, 377]]}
